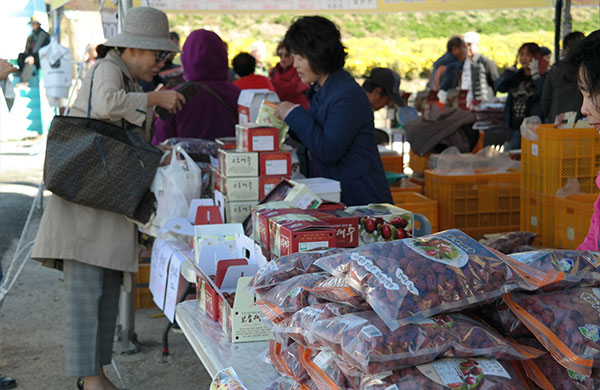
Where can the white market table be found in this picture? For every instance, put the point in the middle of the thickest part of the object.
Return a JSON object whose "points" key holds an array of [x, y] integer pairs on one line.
{"points": [[216, 352]]}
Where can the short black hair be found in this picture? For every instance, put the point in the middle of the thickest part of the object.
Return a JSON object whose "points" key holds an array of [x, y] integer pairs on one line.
{"points": [[318, 40], [532, 48], [455, 41], [370, 86], [244, 64], [584, 57], [571, 38], [174, 36]]}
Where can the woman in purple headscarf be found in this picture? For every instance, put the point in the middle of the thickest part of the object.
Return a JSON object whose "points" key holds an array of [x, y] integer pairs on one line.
{"points": [[213, 112]]}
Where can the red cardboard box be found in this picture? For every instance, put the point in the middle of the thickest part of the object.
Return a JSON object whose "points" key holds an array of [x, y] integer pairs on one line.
{"points": [[302, 234], [267, 183], [275, 163], [345, 225], [263, 224], [226, 143], [252, 137]]}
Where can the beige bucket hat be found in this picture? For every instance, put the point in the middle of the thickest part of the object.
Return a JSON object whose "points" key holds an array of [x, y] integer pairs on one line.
{"points": [[144, 28]]}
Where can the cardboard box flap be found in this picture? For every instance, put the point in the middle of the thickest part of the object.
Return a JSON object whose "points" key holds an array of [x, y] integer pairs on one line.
{"points": [[234, 273], [248, 249], [223, 266], [218, 230]]}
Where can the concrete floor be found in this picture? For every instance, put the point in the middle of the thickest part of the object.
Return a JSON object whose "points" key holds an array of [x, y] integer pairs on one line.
{"points": [[31, 316]]}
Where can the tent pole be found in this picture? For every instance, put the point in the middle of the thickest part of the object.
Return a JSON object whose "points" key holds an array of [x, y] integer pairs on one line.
{"points": [[557, 20]]}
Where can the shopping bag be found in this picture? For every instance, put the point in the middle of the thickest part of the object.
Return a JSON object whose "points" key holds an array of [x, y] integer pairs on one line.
{"points": [[174, 185], [97, 164]]}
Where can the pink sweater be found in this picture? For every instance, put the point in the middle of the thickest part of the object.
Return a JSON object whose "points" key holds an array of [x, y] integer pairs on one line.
{"points": [[591, 242]]}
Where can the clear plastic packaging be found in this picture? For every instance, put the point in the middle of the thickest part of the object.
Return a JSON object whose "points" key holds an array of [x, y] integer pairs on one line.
{"points": [[373, 348], [339, 290], [322, 369], [288, 297], [286, 360], [566, 323], [463, 374], [580, 268], [508, 242], [227, 379], [412, 279], [283, 268], [303, 320], [546, 373]]}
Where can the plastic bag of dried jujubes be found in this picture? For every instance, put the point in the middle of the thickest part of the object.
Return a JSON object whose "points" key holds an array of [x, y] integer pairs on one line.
{"points": [[286, 267], [566, 323], [368, 344], [463, 374], [580, 268], [411, 279]]}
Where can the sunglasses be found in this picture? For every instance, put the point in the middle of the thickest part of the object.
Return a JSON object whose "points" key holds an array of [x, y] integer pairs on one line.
{"points": [[162, 56]]}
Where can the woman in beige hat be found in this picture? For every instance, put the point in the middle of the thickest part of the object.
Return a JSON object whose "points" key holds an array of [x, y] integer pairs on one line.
{"points": [[93, 246]]}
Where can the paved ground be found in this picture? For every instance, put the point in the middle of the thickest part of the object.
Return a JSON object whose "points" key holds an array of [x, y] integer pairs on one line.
{"points": [[31, 316]]}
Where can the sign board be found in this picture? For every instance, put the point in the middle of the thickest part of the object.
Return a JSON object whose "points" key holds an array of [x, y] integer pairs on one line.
{"points": [[336, 6]]}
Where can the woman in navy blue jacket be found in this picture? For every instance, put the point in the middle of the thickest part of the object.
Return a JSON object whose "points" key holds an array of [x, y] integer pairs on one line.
{"points": [[338, 128]]}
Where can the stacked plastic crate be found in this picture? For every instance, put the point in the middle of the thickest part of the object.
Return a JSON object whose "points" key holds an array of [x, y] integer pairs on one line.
{"points": [[547, 163]]}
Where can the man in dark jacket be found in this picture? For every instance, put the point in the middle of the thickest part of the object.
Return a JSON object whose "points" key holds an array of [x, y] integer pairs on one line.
{"points": [[446, 70], [479, 73], [38, 39], [560, 93]]}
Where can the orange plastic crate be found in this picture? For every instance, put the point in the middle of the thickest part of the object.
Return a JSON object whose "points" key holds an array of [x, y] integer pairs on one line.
{"points": [[419, 204], [556, 156], [477, 204], [393, 163], [537, 216], [406, 185], [572, 219], [417, 163]]}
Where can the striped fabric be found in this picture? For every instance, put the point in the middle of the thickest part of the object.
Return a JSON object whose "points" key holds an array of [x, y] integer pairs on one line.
{"points": [[92, 295]]}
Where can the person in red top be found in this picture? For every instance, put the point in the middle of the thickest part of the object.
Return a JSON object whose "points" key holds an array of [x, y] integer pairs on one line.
{"points": [[286, 81], [244, 65]]}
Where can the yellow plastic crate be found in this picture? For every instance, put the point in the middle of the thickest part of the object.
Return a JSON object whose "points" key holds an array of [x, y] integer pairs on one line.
{"points": [[537, 216], [477, 204], [417, 163], [419, 204], [572, 219], [393, 163], [143, 296], [556, 156]]}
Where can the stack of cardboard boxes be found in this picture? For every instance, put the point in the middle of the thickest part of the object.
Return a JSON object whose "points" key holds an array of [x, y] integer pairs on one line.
{"points": [[249, 168]]}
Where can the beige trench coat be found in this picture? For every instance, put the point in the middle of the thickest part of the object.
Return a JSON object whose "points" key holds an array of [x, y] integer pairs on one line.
{"points": [[69, 231]]}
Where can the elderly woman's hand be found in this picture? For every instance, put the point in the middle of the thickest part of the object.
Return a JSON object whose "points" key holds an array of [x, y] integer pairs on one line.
{"points": [[283, 109], [5, 69], [170, 100]]}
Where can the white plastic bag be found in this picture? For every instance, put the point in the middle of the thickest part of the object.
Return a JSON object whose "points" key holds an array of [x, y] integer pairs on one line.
{"points": [[174, 186], [529, 128]]}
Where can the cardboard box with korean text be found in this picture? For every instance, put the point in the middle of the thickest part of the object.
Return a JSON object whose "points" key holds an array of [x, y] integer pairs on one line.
{"points": [[263, 222], [266, 184], [252, 137], [238, 189], [345, 225], [227, 143], [264, 207], [293, 233], [245, 260], [233, 163], [213, 242], [237, 212], [275, 163], [249, 103], [291, 191]]}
